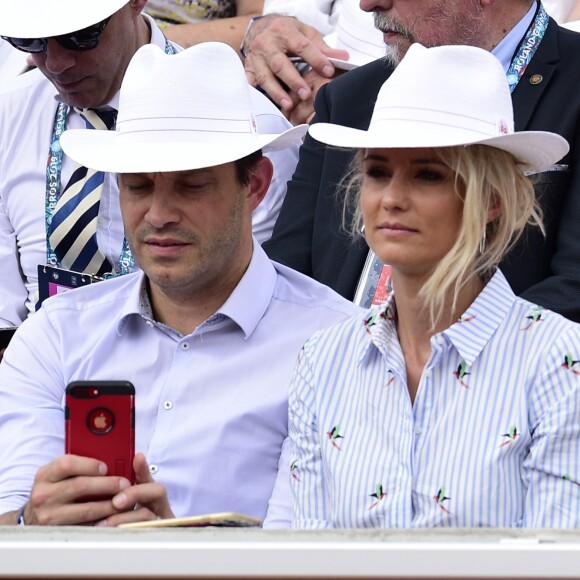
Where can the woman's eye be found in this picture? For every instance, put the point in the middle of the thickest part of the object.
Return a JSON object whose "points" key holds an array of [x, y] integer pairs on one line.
{"points": [[375, 172], [430, 175]]}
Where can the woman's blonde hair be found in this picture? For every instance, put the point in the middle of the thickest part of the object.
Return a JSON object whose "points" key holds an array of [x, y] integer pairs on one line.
{"points": [[485, 178]]}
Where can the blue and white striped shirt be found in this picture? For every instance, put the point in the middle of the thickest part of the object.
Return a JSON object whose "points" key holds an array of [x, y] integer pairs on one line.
{"points": [[492, 439]]}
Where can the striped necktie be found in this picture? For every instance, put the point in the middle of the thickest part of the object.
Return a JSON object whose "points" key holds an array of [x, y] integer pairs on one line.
{"points": [[73, 230]]}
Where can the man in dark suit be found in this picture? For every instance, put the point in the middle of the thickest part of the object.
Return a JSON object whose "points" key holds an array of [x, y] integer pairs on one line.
{"points": [[309, 236]]}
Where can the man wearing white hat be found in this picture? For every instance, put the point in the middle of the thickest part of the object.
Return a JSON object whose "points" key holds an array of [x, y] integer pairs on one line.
{"points": [[51, 211], [539, 59], [296, 27], [208, 332]]}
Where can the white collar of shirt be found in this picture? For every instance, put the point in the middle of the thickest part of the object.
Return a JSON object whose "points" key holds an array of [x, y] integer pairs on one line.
{"points": [[506, 49], [157, 38], [469, 334], [245, 306]]}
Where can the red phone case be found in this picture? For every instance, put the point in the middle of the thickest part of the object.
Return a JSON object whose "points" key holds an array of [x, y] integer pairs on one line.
{"points": [[100, 423]]}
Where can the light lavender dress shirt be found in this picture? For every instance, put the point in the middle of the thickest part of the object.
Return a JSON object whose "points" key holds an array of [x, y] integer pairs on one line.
{"points": [[211, 407]]}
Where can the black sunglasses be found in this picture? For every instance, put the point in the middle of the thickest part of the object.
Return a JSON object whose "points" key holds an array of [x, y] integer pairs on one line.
{"points": [[85, 39]]}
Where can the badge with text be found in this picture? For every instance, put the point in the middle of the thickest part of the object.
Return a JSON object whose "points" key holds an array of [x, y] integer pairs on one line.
{"points": [[52, 281]]}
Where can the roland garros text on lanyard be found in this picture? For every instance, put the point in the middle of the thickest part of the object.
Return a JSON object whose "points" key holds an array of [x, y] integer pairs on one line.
{"points": [[528, 47], [126, 261]]}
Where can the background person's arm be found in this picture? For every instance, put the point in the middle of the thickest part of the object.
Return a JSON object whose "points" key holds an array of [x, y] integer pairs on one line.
{"points": [[228, 30], [268, 46]]}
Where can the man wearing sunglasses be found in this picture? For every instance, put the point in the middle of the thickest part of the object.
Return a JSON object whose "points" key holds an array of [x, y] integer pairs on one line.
{"points": [[58, 219]]}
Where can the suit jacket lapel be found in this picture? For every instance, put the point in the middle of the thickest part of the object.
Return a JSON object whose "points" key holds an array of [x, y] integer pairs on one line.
{"points": [[527, 95]]}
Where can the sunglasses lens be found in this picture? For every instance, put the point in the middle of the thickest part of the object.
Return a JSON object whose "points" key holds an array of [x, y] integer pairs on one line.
{"points": [[27, 44], [85, 39], [79, 40]]}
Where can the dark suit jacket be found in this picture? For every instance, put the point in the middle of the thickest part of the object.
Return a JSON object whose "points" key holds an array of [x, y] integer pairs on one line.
{"points": [[308, 234]]}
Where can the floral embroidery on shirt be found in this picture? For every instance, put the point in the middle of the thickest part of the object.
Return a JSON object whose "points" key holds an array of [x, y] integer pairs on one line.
{"points": [[378, 495], [440, 497], [570, 363], [463, 319], [293, 469], [333, 435], [535, 316], [374, 319], [460, 373], [511, 435]]}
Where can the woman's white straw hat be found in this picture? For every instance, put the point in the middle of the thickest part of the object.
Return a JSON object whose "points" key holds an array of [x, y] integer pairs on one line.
{"points": [[447, 96], [44, 18], [178, 112]]}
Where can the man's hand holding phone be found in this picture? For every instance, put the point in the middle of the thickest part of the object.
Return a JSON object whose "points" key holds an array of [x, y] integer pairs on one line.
{"points": [[60, 486], [144, 501], [93, 482]]}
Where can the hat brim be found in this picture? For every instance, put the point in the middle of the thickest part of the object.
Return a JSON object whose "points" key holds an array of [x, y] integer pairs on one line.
{"points": [[356, 58], [105, 151], [42, 18], [534, 150]]}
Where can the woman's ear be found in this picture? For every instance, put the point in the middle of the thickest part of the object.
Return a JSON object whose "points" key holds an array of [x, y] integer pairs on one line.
{"points": [[494, 210]]}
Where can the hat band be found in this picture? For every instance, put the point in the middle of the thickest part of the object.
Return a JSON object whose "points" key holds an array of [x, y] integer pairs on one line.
{"points": [[482, 127], [177, 128]]}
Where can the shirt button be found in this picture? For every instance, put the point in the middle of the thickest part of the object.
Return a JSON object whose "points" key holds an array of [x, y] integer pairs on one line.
{"points": [[153, 469], [185, 346], [168, 405], [427, 373], [149, 324], [418, 430]]}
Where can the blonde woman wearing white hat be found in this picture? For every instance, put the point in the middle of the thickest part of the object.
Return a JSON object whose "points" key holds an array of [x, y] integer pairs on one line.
{"points": [[455, 403]]}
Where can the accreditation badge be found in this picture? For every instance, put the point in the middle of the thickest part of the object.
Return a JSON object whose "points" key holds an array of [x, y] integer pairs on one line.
{"points": [[53, 281]]}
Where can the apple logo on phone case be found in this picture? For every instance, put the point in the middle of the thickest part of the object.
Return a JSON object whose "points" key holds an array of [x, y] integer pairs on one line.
{"points": [[100, 421]]}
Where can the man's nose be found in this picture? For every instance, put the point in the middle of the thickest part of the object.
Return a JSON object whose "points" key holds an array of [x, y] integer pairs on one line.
{"points": [[374, 5], [57, 58]]}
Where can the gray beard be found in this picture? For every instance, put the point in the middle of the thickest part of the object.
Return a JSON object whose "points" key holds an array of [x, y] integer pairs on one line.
{"points": [[449, 25]]}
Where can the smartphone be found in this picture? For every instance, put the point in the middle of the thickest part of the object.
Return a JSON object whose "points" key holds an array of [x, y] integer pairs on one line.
{"points": [[100, 423], [6, 335]]}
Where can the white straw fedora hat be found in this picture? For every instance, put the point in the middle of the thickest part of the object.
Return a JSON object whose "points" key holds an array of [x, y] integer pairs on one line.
{"points": [[446, 96], [44, 18], [178, 112], [356, 33]]}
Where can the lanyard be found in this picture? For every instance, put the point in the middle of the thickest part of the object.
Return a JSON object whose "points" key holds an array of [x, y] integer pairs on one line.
{"points": [[126, 262], [528, 47]]}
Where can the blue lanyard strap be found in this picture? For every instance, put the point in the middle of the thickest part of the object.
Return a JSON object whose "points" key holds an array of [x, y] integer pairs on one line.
{"points": [[528, 47], [126, 263]]}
